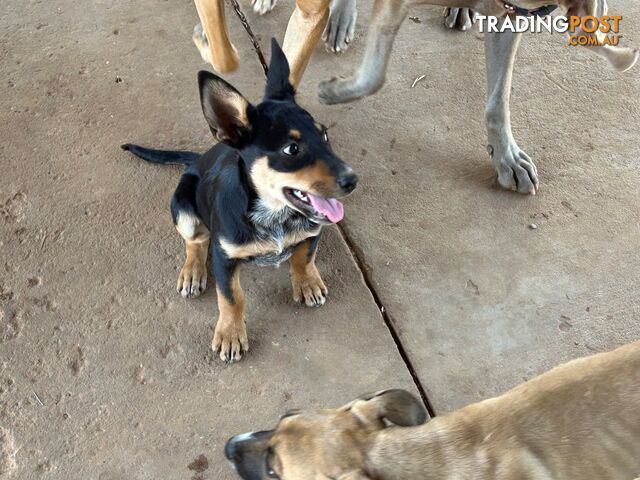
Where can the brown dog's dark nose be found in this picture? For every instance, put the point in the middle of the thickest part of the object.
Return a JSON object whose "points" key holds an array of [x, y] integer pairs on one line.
{"points": [[348, 182], [230, 450]]}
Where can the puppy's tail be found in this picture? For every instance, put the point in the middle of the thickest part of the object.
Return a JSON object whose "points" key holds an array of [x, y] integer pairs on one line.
{"points": [[164, 157]]}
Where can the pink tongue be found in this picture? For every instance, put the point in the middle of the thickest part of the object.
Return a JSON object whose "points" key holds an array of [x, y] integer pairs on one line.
{"points": [[329, 207]]}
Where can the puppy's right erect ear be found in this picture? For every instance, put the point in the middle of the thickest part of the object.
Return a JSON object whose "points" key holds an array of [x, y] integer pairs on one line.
{"points": [[278, 85], [227, 112]]}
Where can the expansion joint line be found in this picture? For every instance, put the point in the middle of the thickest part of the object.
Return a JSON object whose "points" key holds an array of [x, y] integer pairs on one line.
{"points": [[364, 271]]}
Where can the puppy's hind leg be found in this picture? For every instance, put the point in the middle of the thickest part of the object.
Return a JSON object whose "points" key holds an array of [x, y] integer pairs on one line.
{"points": [[516, 170], [192, 280], [386, 18]]}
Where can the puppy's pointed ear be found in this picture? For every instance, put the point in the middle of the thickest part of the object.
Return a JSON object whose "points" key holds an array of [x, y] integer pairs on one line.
{"points": [[227, 112], [278, 85], [396, 406]]}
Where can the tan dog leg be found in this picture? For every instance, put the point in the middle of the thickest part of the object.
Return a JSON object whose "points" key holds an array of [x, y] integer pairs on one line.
{"points": [[306, 282], [230, 335], [620, 58], [192, 280], [303, 33], [212, 37]]}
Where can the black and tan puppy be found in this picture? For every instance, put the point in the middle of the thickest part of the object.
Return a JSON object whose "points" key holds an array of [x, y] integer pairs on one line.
{"points": [[261, 195]]}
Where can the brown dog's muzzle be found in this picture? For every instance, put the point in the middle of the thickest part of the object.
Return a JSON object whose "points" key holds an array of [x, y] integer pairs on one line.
{"points": [[248, 454]]}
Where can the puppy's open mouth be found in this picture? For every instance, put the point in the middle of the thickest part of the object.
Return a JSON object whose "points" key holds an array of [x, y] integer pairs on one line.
{"points": [[314, 206]]}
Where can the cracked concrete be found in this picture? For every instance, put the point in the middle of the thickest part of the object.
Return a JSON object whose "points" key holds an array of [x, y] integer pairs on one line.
{"points": [[105, 371]]}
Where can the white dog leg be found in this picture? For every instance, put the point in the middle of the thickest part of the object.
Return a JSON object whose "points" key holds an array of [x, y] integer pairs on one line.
{"points": [[620, 58], [341, 26], [515, 168], [459, 18], [385, 21]]}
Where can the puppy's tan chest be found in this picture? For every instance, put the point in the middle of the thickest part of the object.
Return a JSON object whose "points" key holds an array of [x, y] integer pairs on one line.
{"points": [[271, 251]]}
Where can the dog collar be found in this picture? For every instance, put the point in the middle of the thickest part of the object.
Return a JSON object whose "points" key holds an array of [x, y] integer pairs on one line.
{"points": [[523, 12]]}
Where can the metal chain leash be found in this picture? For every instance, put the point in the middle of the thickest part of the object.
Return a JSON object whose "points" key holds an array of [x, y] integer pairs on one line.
{"points": [[252, 37]]}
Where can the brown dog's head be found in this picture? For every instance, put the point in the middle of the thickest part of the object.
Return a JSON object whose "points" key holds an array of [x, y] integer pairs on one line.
{"points": [[329, 445]]}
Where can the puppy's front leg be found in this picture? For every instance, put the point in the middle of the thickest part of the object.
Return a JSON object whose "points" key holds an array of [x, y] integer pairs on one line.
{"points": [[516, 170], [305, 280], [230, 335]]}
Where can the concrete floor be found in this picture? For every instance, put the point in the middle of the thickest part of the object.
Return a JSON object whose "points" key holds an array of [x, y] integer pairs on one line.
{"points": [[105, 371]]}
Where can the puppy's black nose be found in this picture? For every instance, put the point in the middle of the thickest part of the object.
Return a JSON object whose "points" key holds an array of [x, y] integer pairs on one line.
{"points": [[348, 182]]}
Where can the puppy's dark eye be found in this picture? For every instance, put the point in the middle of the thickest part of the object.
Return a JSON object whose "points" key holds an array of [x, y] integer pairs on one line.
{"points": [[271, 473], [325, 135], [291, 149]]}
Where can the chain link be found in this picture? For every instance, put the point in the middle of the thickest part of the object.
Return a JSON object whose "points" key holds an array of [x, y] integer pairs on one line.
{"points": [[254, 40]]}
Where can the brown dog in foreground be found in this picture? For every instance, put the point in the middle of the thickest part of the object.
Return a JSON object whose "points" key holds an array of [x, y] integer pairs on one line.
{"points": [[580, 421]]}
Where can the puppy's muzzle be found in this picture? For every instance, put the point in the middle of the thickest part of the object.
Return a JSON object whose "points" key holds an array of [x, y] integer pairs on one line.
{"points": [[347, 182]]}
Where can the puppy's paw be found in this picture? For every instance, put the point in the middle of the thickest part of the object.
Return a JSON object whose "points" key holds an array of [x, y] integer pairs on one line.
{"points": [[309, 288], [263, 6], [230, 340], [192, 280], [341, 25], [516, 170], [459, 18]]}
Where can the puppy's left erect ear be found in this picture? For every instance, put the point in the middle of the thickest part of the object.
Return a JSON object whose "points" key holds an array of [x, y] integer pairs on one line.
{"points": [[278, 85], [396, 406], [227, 112]]}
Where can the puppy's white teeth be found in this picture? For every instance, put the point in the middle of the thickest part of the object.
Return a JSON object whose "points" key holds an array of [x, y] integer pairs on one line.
{"points": [[300, 195]]}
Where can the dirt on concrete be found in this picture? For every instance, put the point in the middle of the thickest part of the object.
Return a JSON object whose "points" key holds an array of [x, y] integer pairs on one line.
{"points": [[105, 371], [480, 300]]}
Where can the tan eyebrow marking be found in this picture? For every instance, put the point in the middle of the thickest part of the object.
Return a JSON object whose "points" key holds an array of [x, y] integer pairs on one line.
{"points": [[295, 133]]}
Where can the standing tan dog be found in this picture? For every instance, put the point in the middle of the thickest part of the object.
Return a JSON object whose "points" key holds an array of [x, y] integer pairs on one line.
{"points": [[580, 421], [516, 171], [332, 20]]}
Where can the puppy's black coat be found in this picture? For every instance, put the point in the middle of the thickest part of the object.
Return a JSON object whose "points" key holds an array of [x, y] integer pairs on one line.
{"points": [[262, 195]]}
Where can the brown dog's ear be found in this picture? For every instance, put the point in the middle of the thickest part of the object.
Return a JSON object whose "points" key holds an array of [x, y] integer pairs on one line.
{"points": [[396, 406], [226, 110]]}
